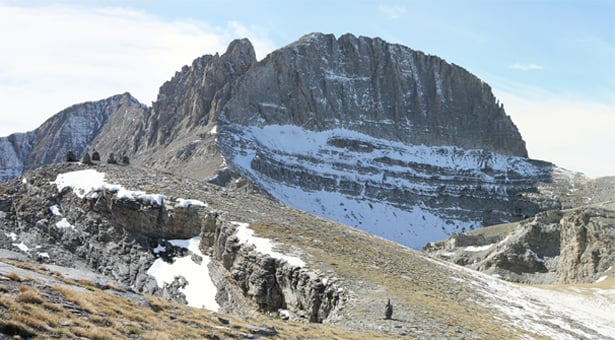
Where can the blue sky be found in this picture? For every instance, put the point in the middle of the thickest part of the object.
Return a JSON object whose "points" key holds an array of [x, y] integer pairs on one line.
{"points": [[551, 62]]}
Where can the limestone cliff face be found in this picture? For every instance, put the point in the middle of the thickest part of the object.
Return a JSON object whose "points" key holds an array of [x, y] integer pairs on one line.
{"points": [[71, 129], [270, 282], [380, 89], [587, 246], [191, 97], [567, 246], [116, 235]]}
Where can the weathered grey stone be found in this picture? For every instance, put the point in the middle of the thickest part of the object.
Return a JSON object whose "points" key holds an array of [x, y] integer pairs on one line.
{"points": [[111, 159], [70, 156], [271, 283], [368, 85], [575, 245], [86, 159]]}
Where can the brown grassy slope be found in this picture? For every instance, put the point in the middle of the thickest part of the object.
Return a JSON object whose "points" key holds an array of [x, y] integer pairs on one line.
{"points": [[430, 300], [29, 308]]}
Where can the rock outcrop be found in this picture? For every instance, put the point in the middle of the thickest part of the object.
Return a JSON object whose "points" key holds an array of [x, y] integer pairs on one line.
{"points": [[114, 232], [272, 283], [568, 246]]}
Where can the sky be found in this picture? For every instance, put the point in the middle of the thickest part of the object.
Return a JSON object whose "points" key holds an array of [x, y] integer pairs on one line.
{"points": [[551, 62]]}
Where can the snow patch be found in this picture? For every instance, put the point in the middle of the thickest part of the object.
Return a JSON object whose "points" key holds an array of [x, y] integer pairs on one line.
{"points": [[284, 313], [187, 203], [263, 245], [159, 249], [85, 181], [479, 248], [63, 224], [200, 291], [549, 313], [82, 181], [12, 236], [22, 247], [601, 278], [43, 255], [55, 210]]}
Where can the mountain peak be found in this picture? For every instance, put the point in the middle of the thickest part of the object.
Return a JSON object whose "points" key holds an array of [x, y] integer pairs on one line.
{"points": [[376, 88]]}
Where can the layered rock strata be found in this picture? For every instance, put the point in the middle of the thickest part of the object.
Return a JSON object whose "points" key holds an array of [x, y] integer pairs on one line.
{"points": [[117, 235]]}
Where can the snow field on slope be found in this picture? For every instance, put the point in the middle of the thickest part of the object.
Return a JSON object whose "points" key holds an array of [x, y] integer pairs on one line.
{"points": [[84, 181], [263, 245], [554, 314], [412, 228], [296, 140], [200, 291]]}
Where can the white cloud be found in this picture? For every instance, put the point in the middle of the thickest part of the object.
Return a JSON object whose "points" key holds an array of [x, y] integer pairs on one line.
{"points": [[525, 67], [56, 56], [392, 12], [576, 134]]}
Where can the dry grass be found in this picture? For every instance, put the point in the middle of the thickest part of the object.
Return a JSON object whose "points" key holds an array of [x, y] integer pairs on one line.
{"points": [[72, 295], [106, 316], [418, 290], [13, 276], [87, 283], [29, 295]]}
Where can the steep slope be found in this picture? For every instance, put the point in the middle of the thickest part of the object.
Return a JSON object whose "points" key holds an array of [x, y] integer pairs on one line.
{"points": [[430, 298], [71, 129], [367, 85], [379, 137], [177, 133]]}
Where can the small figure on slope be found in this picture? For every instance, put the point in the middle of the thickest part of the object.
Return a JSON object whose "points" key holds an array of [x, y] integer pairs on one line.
{"points": [[388, 310]]}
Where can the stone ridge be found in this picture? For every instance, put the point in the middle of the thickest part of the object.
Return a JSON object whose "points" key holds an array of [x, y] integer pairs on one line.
{"points": [[190, 97], [373, 87], [73, 128]]}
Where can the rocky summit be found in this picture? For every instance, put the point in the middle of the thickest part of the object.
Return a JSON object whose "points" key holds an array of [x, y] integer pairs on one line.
{"points": [[208, 199]]}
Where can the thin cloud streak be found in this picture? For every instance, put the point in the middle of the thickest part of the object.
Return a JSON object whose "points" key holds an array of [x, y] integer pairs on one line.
{"points": [[392, 12], [525, 67]]}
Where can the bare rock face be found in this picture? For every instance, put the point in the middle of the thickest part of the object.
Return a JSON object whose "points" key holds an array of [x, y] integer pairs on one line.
{"points": [[116, 233], [270, 282], [72, 129], [383, 90], [191, 97], [588, 243], [576, 245]]}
